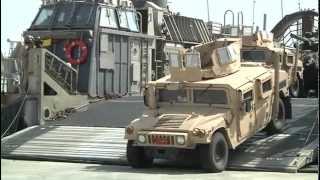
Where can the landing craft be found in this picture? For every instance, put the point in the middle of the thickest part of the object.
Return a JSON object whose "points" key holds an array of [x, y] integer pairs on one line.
{"points": [[75, 52]]}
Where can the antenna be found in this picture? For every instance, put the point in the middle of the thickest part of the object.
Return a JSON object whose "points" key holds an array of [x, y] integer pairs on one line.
{"points": [[281, 8], [254, 4], [264, 22], [299, 5], [208, 10]]}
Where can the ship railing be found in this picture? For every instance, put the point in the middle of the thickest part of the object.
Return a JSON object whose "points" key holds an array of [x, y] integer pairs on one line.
{"points": [[10, 76]]}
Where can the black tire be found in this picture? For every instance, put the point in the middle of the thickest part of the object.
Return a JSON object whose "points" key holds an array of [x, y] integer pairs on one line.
{"points": [[137, 157], [214, 156], [276, 125]]}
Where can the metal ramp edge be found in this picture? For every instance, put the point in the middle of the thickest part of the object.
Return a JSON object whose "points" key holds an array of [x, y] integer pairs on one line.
{"points": [[66, 143], [285, 163], [107, 146]]}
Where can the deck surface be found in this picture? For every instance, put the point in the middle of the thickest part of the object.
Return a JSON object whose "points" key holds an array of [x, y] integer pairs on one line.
{"points": [[286, 152]]}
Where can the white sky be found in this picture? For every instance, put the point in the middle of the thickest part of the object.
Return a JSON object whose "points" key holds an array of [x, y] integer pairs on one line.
{"points": [[16, 16]]}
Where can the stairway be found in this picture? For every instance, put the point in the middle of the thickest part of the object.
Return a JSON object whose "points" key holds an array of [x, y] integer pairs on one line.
{"points": [[65, 75]]}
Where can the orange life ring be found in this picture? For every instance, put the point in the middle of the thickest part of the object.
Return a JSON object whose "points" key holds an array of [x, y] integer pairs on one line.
{"points": [[68, 49]]}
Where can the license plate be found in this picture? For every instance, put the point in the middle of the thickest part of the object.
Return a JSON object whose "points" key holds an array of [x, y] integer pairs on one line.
{"points": [[161, 140]]}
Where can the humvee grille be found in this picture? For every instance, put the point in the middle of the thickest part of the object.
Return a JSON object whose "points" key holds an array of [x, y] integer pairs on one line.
{"points": [[171, 121], [161, 139]]}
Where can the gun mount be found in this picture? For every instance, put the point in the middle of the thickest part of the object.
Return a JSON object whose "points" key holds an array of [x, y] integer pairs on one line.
{"points": [[206, 61]]}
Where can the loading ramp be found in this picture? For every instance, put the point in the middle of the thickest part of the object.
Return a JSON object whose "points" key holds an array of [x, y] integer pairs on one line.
{"points": [[286, 152]]}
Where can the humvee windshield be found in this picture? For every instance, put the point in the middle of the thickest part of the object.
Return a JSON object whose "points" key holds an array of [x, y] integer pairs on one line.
{"points": [[171, 96], [210, 97], [253, 56], [200, 96]]}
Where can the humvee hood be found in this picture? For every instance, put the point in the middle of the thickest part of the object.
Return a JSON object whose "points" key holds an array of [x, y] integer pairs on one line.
{"points": [[184, 121]]}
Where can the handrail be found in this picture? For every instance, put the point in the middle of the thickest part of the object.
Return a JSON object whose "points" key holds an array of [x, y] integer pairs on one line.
{"points": [[61, 72], [224, 17], [240, 13]]}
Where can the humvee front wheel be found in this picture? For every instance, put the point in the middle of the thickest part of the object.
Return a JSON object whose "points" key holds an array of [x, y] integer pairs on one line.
{"points": [[214, 156], [276, 125], [137, 156]]}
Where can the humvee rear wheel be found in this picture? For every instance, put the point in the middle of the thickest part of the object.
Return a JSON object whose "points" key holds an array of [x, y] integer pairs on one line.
{"points": [[276, 125], [214, 156], [137, 156]]}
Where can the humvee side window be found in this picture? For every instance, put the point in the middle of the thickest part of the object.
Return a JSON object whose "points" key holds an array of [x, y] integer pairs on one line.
{"points": [[210, 96], [266, 86], [108, 18], [171, 96], [255, 56], [290, 59], [247, 100], [44, 16]]}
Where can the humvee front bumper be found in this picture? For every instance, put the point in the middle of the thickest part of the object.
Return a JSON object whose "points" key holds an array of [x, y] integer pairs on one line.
{"points": [[163, 139]]}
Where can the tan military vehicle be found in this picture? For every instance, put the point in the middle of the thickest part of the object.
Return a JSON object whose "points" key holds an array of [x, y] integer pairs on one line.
{"points": [[257, 49], [208, 104]]}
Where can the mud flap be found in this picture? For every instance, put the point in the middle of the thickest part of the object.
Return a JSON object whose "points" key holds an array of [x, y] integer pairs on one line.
{"points": [[288, 107]]}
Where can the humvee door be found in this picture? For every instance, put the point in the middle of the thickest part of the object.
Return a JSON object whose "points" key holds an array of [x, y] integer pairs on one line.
{"points": [[263, 99], [246, 124]]}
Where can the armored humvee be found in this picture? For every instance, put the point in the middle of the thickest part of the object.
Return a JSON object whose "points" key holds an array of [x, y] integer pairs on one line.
{"points": [[257, 49], [207, 105]]}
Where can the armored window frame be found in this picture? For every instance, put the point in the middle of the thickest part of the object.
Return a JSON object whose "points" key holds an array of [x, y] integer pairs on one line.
{"points": [[192, 60], [174, 59], [266, 86], [226, 55]]}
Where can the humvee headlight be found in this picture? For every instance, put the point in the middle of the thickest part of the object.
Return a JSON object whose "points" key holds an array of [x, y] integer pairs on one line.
{"points": [[180, 140], [141, 138]]}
